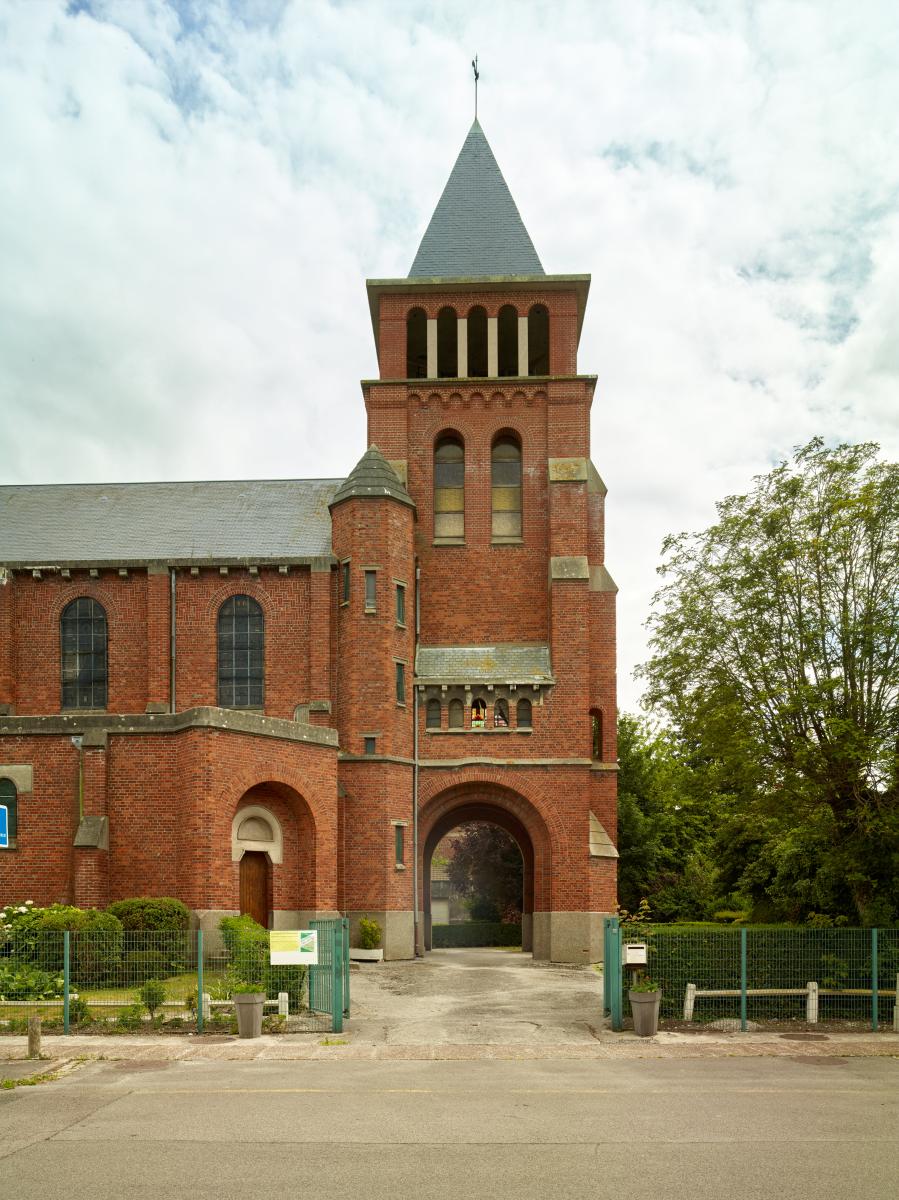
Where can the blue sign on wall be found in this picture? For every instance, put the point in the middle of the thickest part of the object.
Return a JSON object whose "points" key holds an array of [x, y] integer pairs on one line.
{"points": [[4, 827]]}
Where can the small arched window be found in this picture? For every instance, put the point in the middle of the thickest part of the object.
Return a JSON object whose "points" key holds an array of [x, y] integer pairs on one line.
{"points": [[505, 469], [447, 344], [538, 340], [10, 801], [432, 719], [507, 338], [449, 490], [477, 342], [523, 714], [478, 714], [596, 748], [456, 714], [417, 344], [500, 715], [241, 653], [84, 635]]}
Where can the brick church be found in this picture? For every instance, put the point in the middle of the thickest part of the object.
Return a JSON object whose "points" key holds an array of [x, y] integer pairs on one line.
{"points": [[278, 696]]}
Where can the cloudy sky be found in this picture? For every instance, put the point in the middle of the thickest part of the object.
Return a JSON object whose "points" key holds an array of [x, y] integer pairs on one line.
{"points": [[192, 194]]}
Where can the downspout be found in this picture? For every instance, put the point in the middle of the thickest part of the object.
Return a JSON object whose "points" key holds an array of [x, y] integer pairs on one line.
{"points": [[172, 639], [416, 931]]}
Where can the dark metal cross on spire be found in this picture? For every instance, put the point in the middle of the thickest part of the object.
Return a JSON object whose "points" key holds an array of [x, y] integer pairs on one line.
{"points": [[477, 76]]}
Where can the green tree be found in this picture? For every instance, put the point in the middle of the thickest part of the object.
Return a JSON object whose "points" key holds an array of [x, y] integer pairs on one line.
{"points": [[486, 868], [775, 649]]}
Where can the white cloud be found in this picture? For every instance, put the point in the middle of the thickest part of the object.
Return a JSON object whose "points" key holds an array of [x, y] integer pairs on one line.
{"points": [[192, 195]]}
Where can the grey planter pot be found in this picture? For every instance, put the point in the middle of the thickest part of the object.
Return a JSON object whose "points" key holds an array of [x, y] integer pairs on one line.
{"points": [[248, 1006], [645, 1009]]}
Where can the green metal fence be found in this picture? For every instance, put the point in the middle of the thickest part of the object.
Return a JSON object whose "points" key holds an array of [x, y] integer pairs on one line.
{"points": [[762, 975], [172, 982]]}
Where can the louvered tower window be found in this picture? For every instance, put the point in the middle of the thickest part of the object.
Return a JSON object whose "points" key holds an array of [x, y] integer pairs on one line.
{"points": [[241, 653], [83, 633]]}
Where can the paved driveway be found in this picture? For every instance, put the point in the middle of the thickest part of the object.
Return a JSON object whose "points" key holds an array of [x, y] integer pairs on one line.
{"points": [[475, 997]]}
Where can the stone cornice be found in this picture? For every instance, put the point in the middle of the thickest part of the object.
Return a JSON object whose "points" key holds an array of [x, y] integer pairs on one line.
{"points": [[225, 719]]}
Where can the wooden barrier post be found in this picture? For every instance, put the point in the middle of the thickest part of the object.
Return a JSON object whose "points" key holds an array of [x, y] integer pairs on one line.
{"points": [[34, 1037]]}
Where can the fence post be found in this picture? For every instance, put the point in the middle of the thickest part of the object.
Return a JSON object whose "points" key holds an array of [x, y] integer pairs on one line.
{"points": [[896, 1006], [615, 972], [874, 974], [345, 960], [743, 980], [606, 1008], [811, 1002], [337, 977], [65, 981], [200, 997]]}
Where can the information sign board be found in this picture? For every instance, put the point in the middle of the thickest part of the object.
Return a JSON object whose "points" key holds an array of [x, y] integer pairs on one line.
{"points": [[293, 947], [4, 827]]}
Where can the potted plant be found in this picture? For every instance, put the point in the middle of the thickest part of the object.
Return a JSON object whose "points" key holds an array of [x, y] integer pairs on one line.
{"points": [[369, 938], [645, 996], [247, 979]]}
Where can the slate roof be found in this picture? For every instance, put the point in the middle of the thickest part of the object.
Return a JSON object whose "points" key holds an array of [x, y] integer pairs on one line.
{"points": [[372, 476], [506, 663], [94, 523], [476, 229]]}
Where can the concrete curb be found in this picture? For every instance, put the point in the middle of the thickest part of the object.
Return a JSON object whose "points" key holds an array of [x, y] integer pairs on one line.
{"points": [[607, 1047]]}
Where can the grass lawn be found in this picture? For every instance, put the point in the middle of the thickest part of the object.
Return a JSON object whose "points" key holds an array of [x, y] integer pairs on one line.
{"points": [[177, 987]]}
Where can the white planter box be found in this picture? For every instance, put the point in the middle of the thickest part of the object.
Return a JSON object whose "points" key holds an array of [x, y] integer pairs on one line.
{"points": [[357, 955]]}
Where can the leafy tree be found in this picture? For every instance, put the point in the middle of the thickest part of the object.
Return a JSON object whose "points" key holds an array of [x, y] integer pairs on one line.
{"points": [[486, 868], [775, 652]]}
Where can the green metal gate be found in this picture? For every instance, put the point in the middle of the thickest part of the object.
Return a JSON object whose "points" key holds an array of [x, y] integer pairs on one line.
{"points": [[329, 982], [611, 970]]}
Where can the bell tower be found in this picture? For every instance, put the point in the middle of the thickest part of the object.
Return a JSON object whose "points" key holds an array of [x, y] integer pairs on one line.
{"points": [[481, 412]]}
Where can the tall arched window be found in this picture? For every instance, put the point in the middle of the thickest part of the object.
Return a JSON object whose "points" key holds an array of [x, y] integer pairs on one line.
{"points": [[538, 340], [449, 489], [500, 715], [507, 338], [456, 714], [432, 719], [241, 653], [524, 714], [447, 344], [83, 634], [596, 735], [10, 801], [478, 714], [505, 470], [417, 344], [477, 342]]}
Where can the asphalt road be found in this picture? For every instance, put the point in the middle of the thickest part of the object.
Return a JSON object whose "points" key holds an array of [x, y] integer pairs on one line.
{"points": [[742, 1128]]}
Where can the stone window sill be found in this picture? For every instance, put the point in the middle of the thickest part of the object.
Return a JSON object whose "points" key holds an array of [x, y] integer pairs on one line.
{"points": [[507, 541], [480, 731], [449, 542], [13, 845], [86, 712]]}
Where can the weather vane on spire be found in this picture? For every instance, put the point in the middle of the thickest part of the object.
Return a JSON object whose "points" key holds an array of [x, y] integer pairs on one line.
{"points": [[477, 76]]}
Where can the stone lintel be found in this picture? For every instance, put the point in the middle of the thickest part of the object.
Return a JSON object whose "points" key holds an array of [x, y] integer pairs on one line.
{"points": [[21, 776]]}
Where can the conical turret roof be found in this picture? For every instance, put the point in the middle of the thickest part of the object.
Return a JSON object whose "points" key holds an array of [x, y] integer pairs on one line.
{"points": [[476, 229], [372, 476]]}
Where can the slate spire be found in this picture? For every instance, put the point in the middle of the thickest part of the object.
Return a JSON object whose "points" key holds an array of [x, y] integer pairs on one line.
{"points": [[476, 230], [372, 476]]}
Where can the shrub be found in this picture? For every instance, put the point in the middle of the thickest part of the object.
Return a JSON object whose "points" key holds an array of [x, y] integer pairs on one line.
{"points": [[21, 981], [79, 1012], [96, 945], [138, 965], [475, 933], [131, 1017], [152, 996], [249, 968], [369, 934], [159, 914]]}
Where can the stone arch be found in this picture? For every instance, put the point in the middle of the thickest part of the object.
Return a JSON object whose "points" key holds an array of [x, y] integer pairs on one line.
{"points": [[256, 827], [274, 818], [497, 805]]}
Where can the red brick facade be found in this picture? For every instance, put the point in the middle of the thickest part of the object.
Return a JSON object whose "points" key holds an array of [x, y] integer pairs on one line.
{"points": [[333, 755]]}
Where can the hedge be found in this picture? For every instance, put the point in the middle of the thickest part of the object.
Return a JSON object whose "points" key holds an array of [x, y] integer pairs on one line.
{"points": [[157, 913], [247, 944], [475, 933]]}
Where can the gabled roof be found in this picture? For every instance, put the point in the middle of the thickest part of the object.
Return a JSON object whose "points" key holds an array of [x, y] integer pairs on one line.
{"points": [[476, 230], [372, 476], [281, 520]]}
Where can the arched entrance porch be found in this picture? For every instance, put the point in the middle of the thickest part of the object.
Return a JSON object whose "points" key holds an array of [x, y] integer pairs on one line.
{"points": [[273, 855], [496, 806]]}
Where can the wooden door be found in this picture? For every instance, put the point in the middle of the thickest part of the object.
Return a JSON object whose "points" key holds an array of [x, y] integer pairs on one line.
{"points": [[254, 886]]}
